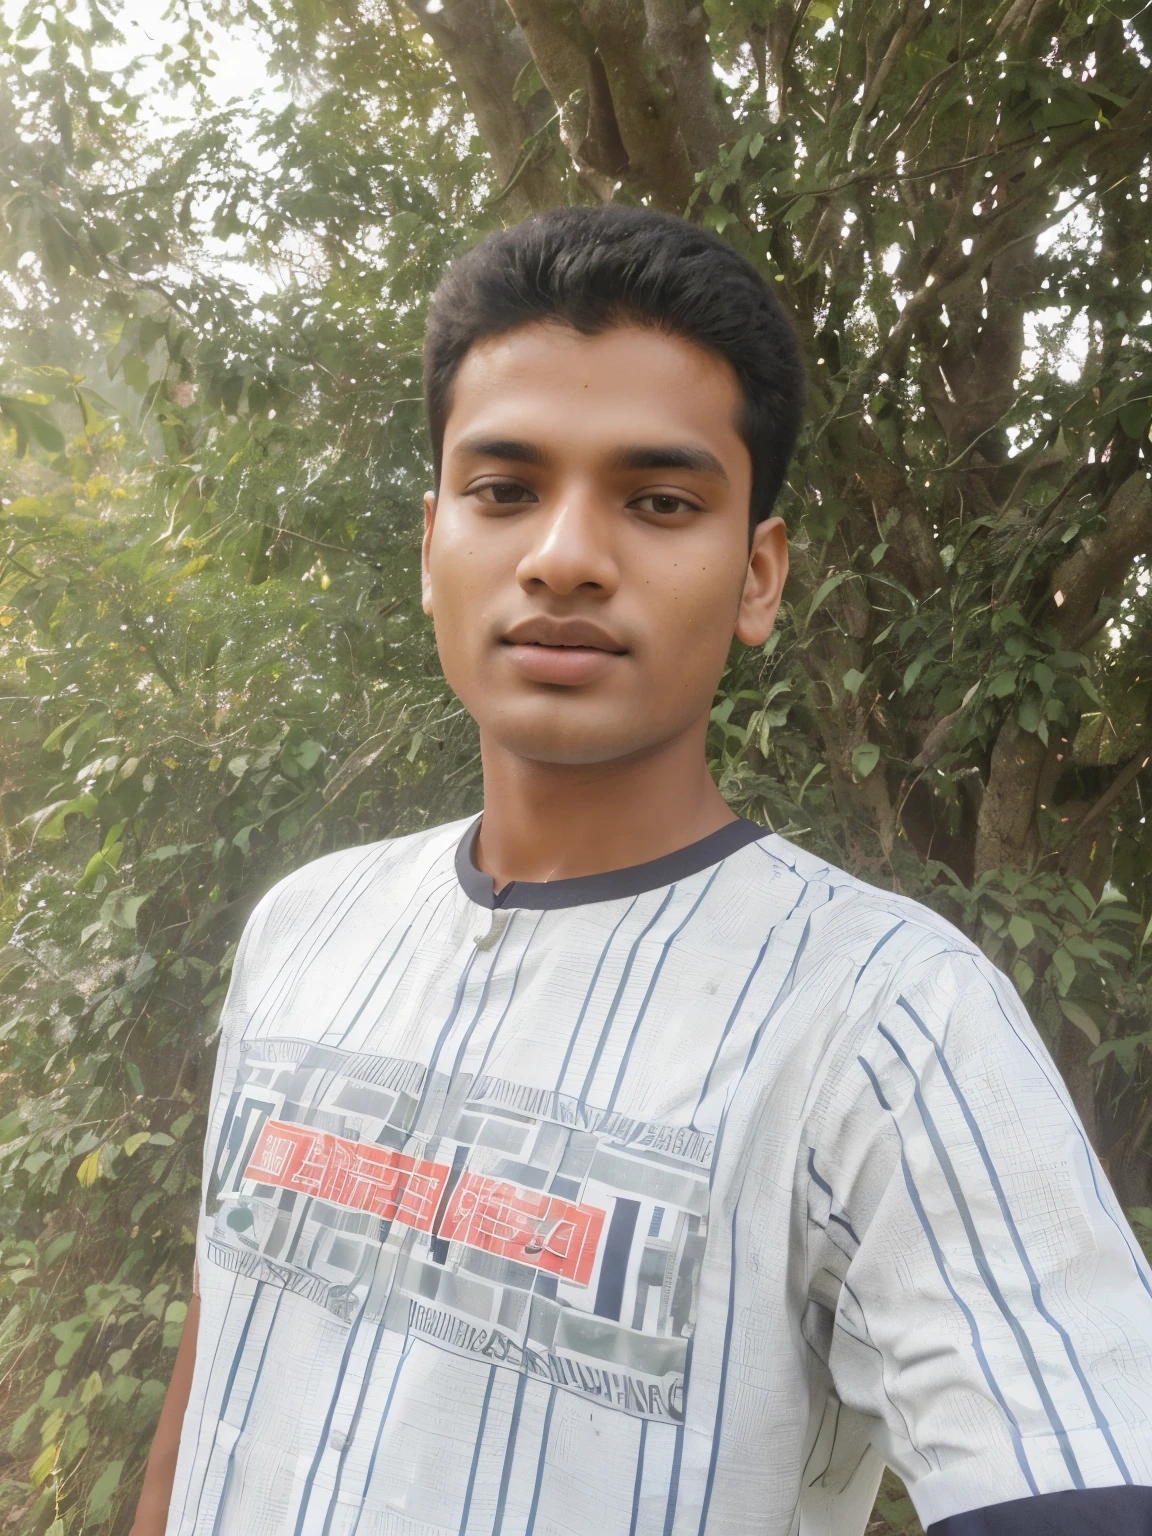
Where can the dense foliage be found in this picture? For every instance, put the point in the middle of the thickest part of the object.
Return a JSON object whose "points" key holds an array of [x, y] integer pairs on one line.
{"points": [[212, 662]]}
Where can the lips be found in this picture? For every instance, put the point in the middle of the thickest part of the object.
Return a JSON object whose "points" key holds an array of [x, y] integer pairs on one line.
{"points": [[564, 652]]}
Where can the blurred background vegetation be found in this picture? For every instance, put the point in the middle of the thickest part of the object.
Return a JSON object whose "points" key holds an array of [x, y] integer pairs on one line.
{"points": [[219, 226]]}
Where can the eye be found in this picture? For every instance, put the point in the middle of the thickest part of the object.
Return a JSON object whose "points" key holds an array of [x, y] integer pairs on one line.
{"points": [[502, 493], [664, 503]]}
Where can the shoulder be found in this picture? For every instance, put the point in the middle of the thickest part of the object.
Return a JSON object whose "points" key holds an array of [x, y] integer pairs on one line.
{"points": [[851, 922], [390, 871], [902, 982]]}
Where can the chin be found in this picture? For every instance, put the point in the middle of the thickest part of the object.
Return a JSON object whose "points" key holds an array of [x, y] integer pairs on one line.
{"points": [[556, 737]]}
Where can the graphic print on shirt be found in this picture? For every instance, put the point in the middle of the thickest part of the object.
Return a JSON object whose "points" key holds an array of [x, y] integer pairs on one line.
{"points": [[530, 1230]]}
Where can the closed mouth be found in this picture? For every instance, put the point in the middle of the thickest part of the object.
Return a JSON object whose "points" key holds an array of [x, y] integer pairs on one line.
{"points": [[563, 635]]}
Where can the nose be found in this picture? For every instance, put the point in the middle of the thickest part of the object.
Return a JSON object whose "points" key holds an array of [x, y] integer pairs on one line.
{"points": [[573, 548]]}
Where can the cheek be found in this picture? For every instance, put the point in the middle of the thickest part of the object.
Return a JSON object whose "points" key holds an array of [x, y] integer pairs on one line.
{"points": [[458, 581], [696, 602]]}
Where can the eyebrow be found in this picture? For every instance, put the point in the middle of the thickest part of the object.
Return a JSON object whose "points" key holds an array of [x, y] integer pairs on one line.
{"points": [[500, 448], [636, 456], [670, 456]]}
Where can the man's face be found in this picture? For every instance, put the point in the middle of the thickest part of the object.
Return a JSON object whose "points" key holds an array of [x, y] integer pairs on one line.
{"points": [[586, 561]]}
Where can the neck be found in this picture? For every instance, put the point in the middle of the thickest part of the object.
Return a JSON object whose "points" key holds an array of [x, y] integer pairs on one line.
{"points": [[554, 821]]}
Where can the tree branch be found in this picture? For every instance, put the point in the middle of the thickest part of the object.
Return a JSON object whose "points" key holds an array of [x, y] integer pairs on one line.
{"points": [[678, 36], [914, 19], [646, 108], [486, 59], [1127, 775], [565, 57], [1098, 568]]}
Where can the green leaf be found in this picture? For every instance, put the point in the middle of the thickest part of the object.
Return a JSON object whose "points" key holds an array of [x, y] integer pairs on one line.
{"points": [[1030, 715], [1021, 930], [43, 1465], [1023, 975], [528, 83], [1081, 1019], [864, 758], [49, 824], [71, 1333], [913, 670], [800, 209], [852, 680], [1043, 676], [823, 592], [103, 1488], [135, 371], [1136, 418], [30, 422], [120, 910], [11, 1126], [58, 1247], [1065, 969], [55, 739]]}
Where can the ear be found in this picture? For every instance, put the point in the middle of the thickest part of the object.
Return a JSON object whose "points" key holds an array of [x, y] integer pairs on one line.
{"points": [[764, 582], [425, 552]]}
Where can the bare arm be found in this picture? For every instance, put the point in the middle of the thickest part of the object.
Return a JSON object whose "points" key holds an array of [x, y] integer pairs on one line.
{"points": [[152, 1510]]}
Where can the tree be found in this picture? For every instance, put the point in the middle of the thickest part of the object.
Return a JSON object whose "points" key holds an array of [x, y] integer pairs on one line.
{"points": [[214, 666]]}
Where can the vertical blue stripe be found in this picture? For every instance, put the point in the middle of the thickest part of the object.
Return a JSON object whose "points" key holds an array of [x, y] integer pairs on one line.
{"points": [[499, 1024], [318, 933], [728, 1023], [509, 1454], [655, 977], [542, 1462], [442, 1040], [969, 1316], [823, 1184], [383, 974], [354, 1331], [781, 997], [203, 1423], [357, 1412], [621, 986], [718, 1423], [476, 1451], [1017, 1241], [380, 1428], [875, 950], [589, 994], [639, 1478], [674, 1478], [985, 1269], [1138, 1261], [478, 1013], [220, 1502]]}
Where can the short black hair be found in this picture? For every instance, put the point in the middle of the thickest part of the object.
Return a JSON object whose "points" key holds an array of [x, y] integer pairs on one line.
{"points": [[592, 268]]}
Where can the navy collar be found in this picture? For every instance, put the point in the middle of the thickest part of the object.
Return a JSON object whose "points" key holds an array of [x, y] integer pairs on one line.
{"points": [[609, 886]]}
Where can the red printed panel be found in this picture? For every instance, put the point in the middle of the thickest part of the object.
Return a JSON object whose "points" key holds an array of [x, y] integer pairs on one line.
{"points": [[526, 1225], [358, 1175]]}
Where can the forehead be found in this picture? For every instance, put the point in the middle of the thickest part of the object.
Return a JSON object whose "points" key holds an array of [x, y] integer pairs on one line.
{"points": [[626, 383]]}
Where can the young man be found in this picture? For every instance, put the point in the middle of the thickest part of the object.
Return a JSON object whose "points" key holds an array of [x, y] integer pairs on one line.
{"points": [[609, 1166]]}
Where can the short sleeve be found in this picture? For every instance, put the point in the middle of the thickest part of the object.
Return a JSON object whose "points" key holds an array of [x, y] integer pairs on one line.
{"points": [[992, 1314]]}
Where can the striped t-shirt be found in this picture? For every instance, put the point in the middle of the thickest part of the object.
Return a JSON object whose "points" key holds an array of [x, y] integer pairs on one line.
{"points": [[667, 1202]]}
